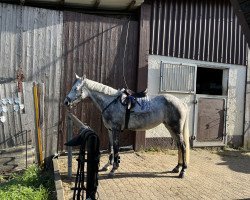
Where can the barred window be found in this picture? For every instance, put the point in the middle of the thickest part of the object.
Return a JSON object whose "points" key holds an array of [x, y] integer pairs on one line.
{"points": [[177, 78]]}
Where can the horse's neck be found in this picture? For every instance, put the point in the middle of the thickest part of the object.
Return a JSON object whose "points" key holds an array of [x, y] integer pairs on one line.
{"points": [[101, 94]]}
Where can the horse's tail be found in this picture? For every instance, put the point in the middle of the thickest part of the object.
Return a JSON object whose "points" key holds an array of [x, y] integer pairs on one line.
{"points": [[186, 138]]}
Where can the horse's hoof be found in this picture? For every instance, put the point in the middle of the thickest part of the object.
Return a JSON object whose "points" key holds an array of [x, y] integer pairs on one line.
{"points": [[175, 170], [104, 169], [181, 175], [111, 175]]}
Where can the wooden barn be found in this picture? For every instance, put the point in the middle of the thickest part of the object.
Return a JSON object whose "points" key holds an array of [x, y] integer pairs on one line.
{"points": [[195, 50]]}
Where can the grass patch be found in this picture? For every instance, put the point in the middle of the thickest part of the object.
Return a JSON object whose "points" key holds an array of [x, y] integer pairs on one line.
{"points": [[153, 149], [33, 184], [161, 150]]}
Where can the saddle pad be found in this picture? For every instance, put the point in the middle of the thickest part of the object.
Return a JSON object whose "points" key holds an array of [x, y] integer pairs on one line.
{"points": [[142, 105]]}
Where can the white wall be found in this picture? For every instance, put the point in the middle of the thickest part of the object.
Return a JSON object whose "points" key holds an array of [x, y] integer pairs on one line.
{"points": [[236, 92]]}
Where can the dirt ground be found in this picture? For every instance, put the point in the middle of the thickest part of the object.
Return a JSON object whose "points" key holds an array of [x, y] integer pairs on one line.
{"points": [[147, 175]]}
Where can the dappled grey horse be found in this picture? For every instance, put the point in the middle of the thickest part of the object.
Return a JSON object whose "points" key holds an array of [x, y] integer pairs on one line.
{"points": [[166, 109]]}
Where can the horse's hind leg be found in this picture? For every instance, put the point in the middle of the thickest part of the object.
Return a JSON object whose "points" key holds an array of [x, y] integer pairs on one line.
{"points": [[177, 136], [179, 164], [182, 158]]}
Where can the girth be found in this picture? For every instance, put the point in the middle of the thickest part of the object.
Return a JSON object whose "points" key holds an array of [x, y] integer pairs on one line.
{"points": [[129, 100]]}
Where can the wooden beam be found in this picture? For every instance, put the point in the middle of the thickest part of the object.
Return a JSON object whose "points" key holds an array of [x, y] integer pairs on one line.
{"points": [[142, 73], [61, 3], [22, 2], [38, 127], [131, 5], [97, 3]]}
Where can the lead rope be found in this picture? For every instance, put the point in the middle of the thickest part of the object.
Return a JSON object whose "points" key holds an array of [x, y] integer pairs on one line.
{"points": [[123, 70]]}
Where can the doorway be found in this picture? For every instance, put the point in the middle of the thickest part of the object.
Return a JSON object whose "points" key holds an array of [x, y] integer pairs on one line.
{"points": [[210, 106]]}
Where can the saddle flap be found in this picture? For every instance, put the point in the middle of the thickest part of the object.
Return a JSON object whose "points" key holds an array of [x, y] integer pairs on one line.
{"points": [[129, 98]]}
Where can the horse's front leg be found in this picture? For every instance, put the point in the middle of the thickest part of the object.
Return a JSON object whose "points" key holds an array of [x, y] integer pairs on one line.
{"points": [[111, 153], [115, 133]]}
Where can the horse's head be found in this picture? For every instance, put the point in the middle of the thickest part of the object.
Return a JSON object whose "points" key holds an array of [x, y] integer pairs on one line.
{"points": [[77, 92]]}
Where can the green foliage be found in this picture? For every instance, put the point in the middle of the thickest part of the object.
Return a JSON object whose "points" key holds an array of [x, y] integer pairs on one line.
{"points": [[1, 178], [33, 184]]}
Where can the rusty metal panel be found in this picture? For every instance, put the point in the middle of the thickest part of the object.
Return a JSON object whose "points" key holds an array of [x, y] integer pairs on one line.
{"points": [[31, 40], [94, 46], [211, 121], [200, 30]]}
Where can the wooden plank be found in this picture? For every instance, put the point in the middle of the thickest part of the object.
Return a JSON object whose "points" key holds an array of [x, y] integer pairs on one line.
{"points": [[2, 133], [18, 134], [38, 128], [28, 118], [41, 87], [142, 74], [7, 131]]}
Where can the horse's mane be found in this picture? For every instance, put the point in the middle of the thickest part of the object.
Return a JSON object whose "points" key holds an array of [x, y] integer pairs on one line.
{"points": [[99, 87]]}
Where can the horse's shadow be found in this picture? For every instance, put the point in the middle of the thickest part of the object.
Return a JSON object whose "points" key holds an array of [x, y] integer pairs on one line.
{"points": [[238, 161], [120, 175]]}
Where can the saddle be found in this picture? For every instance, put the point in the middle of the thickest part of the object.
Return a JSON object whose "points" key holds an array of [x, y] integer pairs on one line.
{"points": [[136, 94], [129, 100], [129, 97]]}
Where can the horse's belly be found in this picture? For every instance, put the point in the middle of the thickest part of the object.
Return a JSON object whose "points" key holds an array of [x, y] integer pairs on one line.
{"points": [[145, 121]]}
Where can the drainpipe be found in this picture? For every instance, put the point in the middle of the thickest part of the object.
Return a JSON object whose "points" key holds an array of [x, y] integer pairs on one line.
{"points": [[247, 106]]}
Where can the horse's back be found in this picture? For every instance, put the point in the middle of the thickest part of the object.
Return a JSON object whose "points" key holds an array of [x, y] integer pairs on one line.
{"points": [[168, 99], [172, 105]]}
